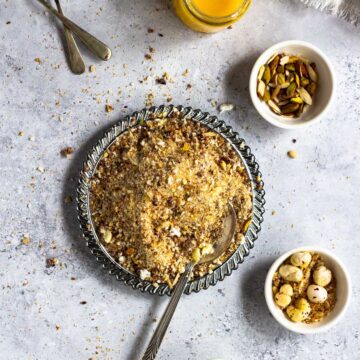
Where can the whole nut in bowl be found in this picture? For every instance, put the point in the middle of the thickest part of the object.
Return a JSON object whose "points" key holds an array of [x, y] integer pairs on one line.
{"points": [[292, 84], [139, 197], [307, 290]]}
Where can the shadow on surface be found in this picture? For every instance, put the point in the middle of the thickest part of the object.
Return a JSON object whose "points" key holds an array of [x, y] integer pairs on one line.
{"points": [[252, 299], [145, 332], [236, 88]]}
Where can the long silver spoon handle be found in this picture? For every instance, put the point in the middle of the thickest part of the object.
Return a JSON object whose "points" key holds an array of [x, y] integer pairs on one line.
{"points": [[93, 44], [160, 331], [76, 61]]}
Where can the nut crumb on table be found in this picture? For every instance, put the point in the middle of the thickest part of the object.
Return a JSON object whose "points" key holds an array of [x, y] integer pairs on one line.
{"points": [[160, 193]]}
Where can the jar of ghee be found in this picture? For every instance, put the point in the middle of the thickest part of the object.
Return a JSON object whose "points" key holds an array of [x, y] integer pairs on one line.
{"points": [[210, 15]]}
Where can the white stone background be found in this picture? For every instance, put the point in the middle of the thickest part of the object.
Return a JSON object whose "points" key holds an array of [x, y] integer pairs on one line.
{"points": [[315, 197]]}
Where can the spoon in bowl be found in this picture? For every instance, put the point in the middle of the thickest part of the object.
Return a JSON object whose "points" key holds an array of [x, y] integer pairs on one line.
{"points": [[219, 247]]}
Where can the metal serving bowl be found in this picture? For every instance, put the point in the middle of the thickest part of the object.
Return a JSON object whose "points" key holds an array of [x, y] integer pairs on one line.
{"points": [[89, 168]]}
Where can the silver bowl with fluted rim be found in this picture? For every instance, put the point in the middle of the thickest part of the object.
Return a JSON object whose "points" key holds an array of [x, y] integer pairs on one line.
{"points": [[89, 168]]}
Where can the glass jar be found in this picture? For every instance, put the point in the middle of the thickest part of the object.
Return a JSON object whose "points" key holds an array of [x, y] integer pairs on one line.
{"points": [[210, 15]]}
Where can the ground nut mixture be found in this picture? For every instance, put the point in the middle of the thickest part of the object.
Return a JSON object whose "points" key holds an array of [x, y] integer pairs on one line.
{"points": [[160, 194]]}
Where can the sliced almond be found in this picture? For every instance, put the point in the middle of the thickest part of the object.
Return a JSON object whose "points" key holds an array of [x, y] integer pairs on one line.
{"points": [[285, 85], [274, 107], [312, 73], [261, 89], [305, 96], [271, 58], [284, 60], [261, 72]]}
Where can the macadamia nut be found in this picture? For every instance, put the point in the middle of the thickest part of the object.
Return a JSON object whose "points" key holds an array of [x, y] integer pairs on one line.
{"points": [[294, 314], [290, 273], [282, 300], [322, 276], [301, 259], [287, 290], [316, 294]]}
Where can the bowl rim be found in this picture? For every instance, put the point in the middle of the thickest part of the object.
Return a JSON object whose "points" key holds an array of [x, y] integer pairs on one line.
{"points": [[253, 76], [136, 119], [274, 310]]}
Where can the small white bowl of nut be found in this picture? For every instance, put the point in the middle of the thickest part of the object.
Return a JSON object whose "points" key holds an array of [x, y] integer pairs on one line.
{"points": [[292, 84], [307, 290]]}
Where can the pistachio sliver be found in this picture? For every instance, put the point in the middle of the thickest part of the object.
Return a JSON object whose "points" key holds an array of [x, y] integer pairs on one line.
{"points": [[261, 72], [289, 108], [297, 100], [311, 88], [276, 92], [304, 81], [290, 91], [267, 75], [267, 95], [280, 79], [285, 85]]}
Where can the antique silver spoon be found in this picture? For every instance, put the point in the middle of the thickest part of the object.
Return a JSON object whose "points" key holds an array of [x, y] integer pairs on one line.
{"points": [[219, 247], [93, 44], [76, 61]]}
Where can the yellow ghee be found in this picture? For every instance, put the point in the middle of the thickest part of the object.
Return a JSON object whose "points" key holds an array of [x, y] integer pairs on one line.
{"points": [[210, 15]]}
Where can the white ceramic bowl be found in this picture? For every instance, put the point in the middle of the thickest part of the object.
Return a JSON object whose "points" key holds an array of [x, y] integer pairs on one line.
{"points": [[324, 93], [343, 291]]}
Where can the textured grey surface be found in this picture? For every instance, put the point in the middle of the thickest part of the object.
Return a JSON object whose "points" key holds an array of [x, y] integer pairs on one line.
{"points": [[315, 197]]}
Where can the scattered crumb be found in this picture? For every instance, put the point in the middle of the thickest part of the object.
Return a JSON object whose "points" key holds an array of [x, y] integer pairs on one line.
{"points": [[188, 86], [162, 80], [149, 100], [67, 151], [68, 199], [150, 30], [161, 35], [8, 22], [21, 133], [151, 49], [38, 60], [148, 57], [294, 141], [26, 239], [83, 302], [92, 68], [273, 212], [40, 169], [213, 103], [292, 154], [73, 278], [51, 262], [185, 73], [57, 327], [31, 138], [109, 108], [226, 107]]}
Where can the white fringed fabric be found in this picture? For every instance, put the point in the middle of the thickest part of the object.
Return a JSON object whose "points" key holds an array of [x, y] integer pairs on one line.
{"points": [[346, 9]]}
